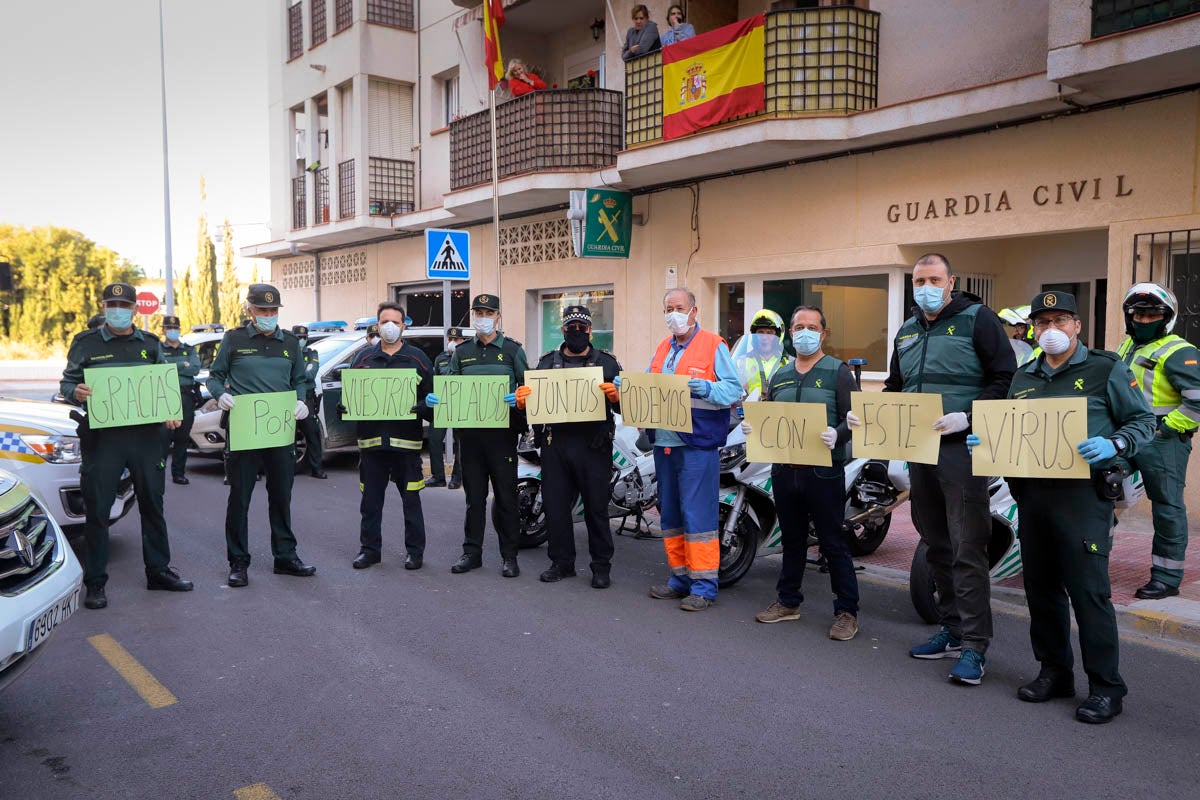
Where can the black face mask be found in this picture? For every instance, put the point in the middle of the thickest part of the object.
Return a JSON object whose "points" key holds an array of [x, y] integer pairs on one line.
{"points": [[577, 341], [1144, 332]]}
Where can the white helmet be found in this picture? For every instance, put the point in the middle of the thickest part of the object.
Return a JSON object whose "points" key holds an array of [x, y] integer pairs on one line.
{"points": [[1015, 316], [1150, 296]]}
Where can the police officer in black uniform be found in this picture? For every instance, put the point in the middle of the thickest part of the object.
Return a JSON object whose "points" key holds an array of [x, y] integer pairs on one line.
{"points": [[310, 426], [490, 453], [258, 358], [437, 436], [107, 452], [187, 361], [577, 457]]}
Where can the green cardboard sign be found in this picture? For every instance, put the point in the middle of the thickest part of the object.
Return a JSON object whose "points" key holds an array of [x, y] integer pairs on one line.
{"points": [[470, 401], [258, 421], [124, 396], [608, 226], [379, 394]]}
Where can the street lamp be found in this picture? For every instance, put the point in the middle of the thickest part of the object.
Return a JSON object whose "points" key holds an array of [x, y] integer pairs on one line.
{"points": [[169, 268]]}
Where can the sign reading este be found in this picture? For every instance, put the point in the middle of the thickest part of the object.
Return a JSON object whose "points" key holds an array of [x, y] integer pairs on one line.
{"points": [[651, 400], [379, 394], [262, 420], [124, 396], [1030, 438], [897, 425], [787, 433], [470, 401], [565, 395]]}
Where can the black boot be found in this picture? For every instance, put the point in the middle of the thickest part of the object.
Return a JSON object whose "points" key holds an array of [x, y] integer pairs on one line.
{"points": [[95, 598]]}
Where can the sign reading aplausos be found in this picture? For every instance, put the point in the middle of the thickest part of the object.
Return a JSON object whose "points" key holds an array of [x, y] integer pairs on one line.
{"points": [[123, 396], [447, 254], [470, 401]]}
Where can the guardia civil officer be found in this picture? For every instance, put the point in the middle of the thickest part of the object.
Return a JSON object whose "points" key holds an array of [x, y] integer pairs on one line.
{"points": [[391, 450], [1066, 525], [577, 457], [310, 426], [107, 452], [260, 358], [187, 361], [437, 436], [1167, 369], [490, 453]]}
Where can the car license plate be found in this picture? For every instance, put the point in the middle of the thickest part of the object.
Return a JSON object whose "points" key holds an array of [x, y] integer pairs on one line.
{"points": [[58, 613]]}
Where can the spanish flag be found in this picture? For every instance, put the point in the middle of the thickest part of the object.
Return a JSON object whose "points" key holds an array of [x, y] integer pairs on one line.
{"points": [[712, 77], [493, 18]]}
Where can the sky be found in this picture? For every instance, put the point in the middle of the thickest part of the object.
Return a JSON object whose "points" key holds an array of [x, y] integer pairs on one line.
{"points": [[81, 124]]}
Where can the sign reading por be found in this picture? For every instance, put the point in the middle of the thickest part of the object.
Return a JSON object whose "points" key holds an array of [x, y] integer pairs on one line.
{"points": [[379, 394], [123, 396], [1030, 438], [787, 433], [651, 400], [470, 401], [608, 224], [897, 425], [263, 420], [565, 395], [447, 254]]}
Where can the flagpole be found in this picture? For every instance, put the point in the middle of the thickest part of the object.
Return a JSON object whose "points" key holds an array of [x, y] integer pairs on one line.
{"points": [[495, 188]]}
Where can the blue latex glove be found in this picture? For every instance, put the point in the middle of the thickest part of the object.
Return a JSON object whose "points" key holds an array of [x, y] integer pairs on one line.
{"points": [[699, 387], [617, 381], [432, 400], [1097, 449], [511, 399], [972, 441]]}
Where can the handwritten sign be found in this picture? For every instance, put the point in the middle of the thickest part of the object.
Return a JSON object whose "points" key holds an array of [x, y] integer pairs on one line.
{"points": [[565, 395], [787, 433], [1030, 438], [470, 401], [379, 394], [897, 425], [651, 400], [123, 396], [258, 421]]}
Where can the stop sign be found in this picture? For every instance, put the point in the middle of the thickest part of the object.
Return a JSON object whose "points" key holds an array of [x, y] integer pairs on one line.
{"points": [[147, 303]]}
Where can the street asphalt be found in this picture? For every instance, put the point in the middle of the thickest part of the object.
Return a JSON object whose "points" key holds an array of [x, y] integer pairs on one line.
{"points": [[384, 683]]}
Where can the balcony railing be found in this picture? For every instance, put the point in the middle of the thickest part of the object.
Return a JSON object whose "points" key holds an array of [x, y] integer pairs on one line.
{"points": [[299, 203], [817, 62], [391, 186], [316, 20], [322, 195], [343, 15], [556, 130], [295, 15], [1112, 16], [397, 13], [346, 207]]}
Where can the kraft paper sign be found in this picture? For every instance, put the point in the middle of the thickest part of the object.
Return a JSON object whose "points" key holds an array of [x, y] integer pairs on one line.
{"points": [[1030, 438], [787, 433], [565, 395], [123, 396], [257, 421], [379, 394], [470, 401], [896, 425], [651, 400]]}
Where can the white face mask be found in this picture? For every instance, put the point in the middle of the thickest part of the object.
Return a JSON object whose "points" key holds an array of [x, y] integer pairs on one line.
{"points": [[390, 332], [1054, 341], [677, 322], [484, 325], [452, 346]]}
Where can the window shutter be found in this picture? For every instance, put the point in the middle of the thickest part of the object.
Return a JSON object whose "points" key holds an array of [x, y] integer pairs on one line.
{"points": [[389, 110]]}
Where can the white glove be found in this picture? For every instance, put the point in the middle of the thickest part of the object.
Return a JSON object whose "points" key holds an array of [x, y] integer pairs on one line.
{"points": [[829, 438], [301, 410], [226, 401], [746, 429], [852, 419], [954, 422]]}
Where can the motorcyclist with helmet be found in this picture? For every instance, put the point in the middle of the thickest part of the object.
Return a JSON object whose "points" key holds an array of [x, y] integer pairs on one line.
{"points": [[757, 355], [1018, 319]]}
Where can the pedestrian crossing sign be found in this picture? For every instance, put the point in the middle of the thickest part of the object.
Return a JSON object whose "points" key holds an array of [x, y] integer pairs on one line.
{"points": [[447, 254]]}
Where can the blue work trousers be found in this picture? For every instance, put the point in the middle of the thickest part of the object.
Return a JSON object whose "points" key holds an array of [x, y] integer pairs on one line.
{"points": [[688, 496]]}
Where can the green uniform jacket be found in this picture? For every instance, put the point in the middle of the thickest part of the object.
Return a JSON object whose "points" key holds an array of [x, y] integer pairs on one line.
{"points": [[312, 362], [827, 382], [500, 357], [249, 362], [441, 364], [1172, 389], [103, 348], [186, 360]]}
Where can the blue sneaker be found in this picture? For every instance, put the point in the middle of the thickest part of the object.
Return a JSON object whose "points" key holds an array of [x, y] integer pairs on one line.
{"points": [[940, 645], [969, 669]]}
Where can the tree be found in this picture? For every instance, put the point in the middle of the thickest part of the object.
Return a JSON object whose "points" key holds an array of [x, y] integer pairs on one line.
{"points": [[198, 301], [230, 289]]}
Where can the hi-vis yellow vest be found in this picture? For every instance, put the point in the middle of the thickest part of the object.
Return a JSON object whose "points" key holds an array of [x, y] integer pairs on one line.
{"points": [[1148, 364]]}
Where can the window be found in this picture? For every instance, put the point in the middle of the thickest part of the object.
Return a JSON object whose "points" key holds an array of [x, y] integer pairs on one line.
{"points": [[295, 21], [389, 118], [446, 95], [317, 22], [598, 300], [397, 13], [423, 304], [732, 320], [343, 15], [855, 307]]}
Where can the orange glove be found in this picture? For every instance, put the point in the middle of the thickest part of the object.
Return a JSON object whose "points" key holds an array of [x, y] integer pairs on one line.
{"points": [[522, 393], [611, 392]]}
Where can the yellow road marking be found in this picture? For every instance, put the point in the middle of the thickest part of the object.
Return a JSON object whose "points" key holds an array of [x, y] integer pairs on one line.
{"points": [[154, 693], [259, 791]]}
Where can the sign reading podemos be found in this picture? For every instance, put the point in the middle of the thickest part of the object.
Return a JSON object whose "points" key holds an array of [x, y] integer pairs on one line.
{"points": [[262, 420], [123, 396], [470, 401], [565, 395], [379, 394], [787, 433], [651, 400], [897, 425], [1030, 438]]}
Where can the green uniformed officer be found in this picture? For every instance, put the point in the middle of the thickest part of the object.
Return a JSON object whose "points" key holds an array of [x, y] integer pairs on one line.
{"points": [[260, 358], [310, 426], [1066, 525], [187, 361], [490, 453], [1167, 369], [437, 436], [107, 452]]}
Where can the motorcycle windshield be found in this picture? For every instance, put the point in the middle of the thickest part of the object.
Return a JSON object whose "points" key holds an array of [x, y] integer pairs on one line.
{"points": [[756, 357]]}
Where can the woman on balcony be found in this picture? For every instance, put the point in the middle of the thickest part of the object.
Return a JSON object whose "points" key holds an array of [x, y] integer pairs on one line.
{"points": [[642, 38], [521, 82], [677, 30]]}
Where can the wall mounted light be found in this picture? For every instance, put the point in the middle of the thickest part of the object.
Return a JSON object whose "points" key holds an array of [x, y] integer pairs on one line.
{"points": [[597, 27]]}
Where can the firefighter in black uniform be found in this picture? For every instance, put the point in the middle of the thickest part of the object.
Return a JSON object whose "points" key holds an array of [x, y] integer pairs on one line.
{"points": [[310, 426], [258, 358], [437, 436], [490, 453], [577, 457], [107, 452], [187, 361], [391, 450]]}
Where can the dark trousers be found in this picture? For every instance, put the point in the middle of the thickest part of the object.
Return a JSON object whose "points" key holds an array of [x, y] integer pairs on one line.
{"points": [[105, 456], [490, 455], [1066, 534], [570, 469], [310, 428], [279, 463], [175, 443], [815, 495], [437, 454], [950, 508], [376, 468]]}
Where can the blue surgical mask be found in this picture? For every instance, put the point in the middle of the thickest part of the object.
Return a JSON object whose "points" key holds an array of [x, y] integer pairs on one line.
{"points": [[266, 324], [929, 298], [118, 318], [304, 342], [806, 342], [172, 335]]}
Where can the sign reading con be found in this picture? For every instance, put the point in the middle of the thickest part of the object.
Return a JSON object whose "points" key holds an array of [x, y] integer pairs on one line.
{"points": [[787, 433], [123, 396], [470, 401], [565, 395], [1030, 438], [379, 394], [897, 425], [651, 400], [608, 226], [257, 421]]}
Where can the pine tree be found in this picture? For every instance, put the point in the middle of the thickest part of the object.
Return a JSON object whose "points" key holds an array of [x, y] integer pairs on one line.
{"points": [[203, 283], [230, 290]]}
